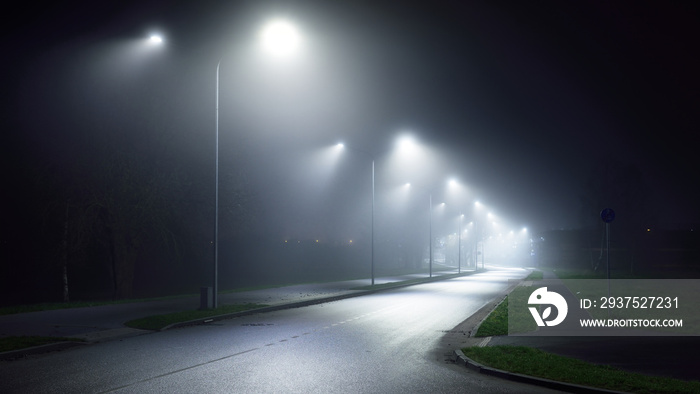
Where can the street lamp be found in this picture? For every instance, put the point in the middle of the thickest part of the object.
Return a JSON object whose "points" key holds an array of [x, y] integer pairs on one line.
{"points": [[155, 39], [477, 231], [342, 146], [430, 219], [459, 245], [430, 255], [279, 37], [430, 232]]}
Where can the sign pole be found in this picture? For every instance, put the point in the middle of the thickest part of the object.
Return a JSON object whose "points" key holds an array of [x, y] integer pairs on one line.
{"points": [[608, 215], [607, 252]]}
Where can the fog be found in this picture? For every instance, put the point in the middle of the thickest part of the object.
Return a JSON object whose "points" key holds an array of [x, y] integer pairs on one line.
{"points": [[544, 116]]}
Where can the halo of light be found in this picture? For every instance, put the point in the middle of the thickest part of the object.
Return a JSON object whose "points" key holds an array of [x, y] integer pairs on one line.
{"points": [[280, 37], [155, 39]]}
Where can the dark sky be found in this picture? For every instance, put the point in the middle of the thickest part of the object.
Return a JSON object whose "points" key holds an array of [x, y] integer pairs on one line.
{"points": [[520, 100]]}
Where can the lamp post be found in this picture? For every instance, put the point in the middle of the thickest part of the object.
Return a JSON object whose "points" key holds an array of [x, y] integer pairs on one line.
{"points": [[477, 235], [430, 210], [279, 38], [341, 145], [372, 235], [455, 188], [430, 231], [459, 245], [215, 287]]}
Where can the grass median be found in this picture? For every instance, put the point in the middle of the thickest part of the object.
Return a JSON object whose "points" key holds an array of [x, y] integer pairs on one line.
{"points": [[496, 323], [159, 322]]}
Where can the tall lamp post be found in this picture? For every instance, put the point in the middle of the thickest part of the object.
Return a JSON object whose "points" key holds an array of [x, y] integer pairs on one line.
{"points": [[430, 231], [279, 37], [342, 146], [477, 235], [215, 289], [372, 235], [430, 245], [459, 245]]}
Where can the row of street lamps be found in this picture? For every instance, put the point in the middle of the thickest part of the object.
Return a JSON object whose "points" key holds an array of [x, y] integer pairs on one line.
{"points": [[409, 144], [281, 38]]}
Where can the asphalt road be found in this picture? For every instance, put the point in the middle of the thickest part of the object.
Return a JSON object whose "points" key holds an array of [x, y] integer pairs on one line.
{"points": [[386, 342]]}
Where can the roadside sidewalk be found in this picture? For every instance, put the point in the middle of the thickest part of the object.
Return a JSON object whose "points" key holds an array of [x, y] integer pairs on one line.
{"points": [[106, 322]]}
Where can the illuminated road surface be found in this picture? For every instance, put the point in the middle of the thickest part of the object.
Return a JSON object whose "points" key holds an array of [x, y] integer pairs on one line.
{"points": [[387, 342]]}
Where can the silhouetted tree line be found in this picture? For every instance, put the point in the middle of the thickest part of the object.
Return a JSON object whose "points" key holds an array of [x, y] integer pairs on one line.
{"points": [[112, 209], [104, 209]]}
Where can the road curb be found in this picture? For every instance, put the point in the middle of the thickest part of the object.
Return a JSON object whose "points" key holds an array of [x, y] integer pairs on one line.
{"points": [[461, 359], [41, 349], [83, 340]]}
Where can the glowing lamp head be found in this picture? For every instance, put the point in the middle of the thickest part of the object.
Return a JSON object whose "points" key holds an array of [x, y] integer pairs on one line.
{"points": [[279, 37], [155, 39], [407, 144]]}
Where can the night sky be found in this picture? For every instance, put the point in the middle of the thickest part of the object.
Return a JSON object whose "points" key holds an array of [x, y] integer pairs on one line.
{"points": [[519, 101]]}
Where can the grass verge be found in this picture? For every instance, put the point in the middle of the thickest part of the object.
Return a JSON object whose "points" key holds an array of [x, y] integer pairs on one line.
{"points": [[535, 362], [158, 322], [496, 323], [22, 342], [502, 319], [535, 275]]}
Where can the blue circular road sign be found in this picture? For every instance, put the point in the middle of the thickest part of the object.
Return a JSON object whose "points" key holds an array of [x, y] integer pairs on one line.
{"points": [[608, 215]]}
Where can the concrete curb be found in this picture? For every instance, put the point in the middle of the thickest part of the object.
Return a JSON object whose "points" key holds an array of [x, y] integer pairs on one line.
{"points": [[30, 351], [461, 359], [84, 340]]}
